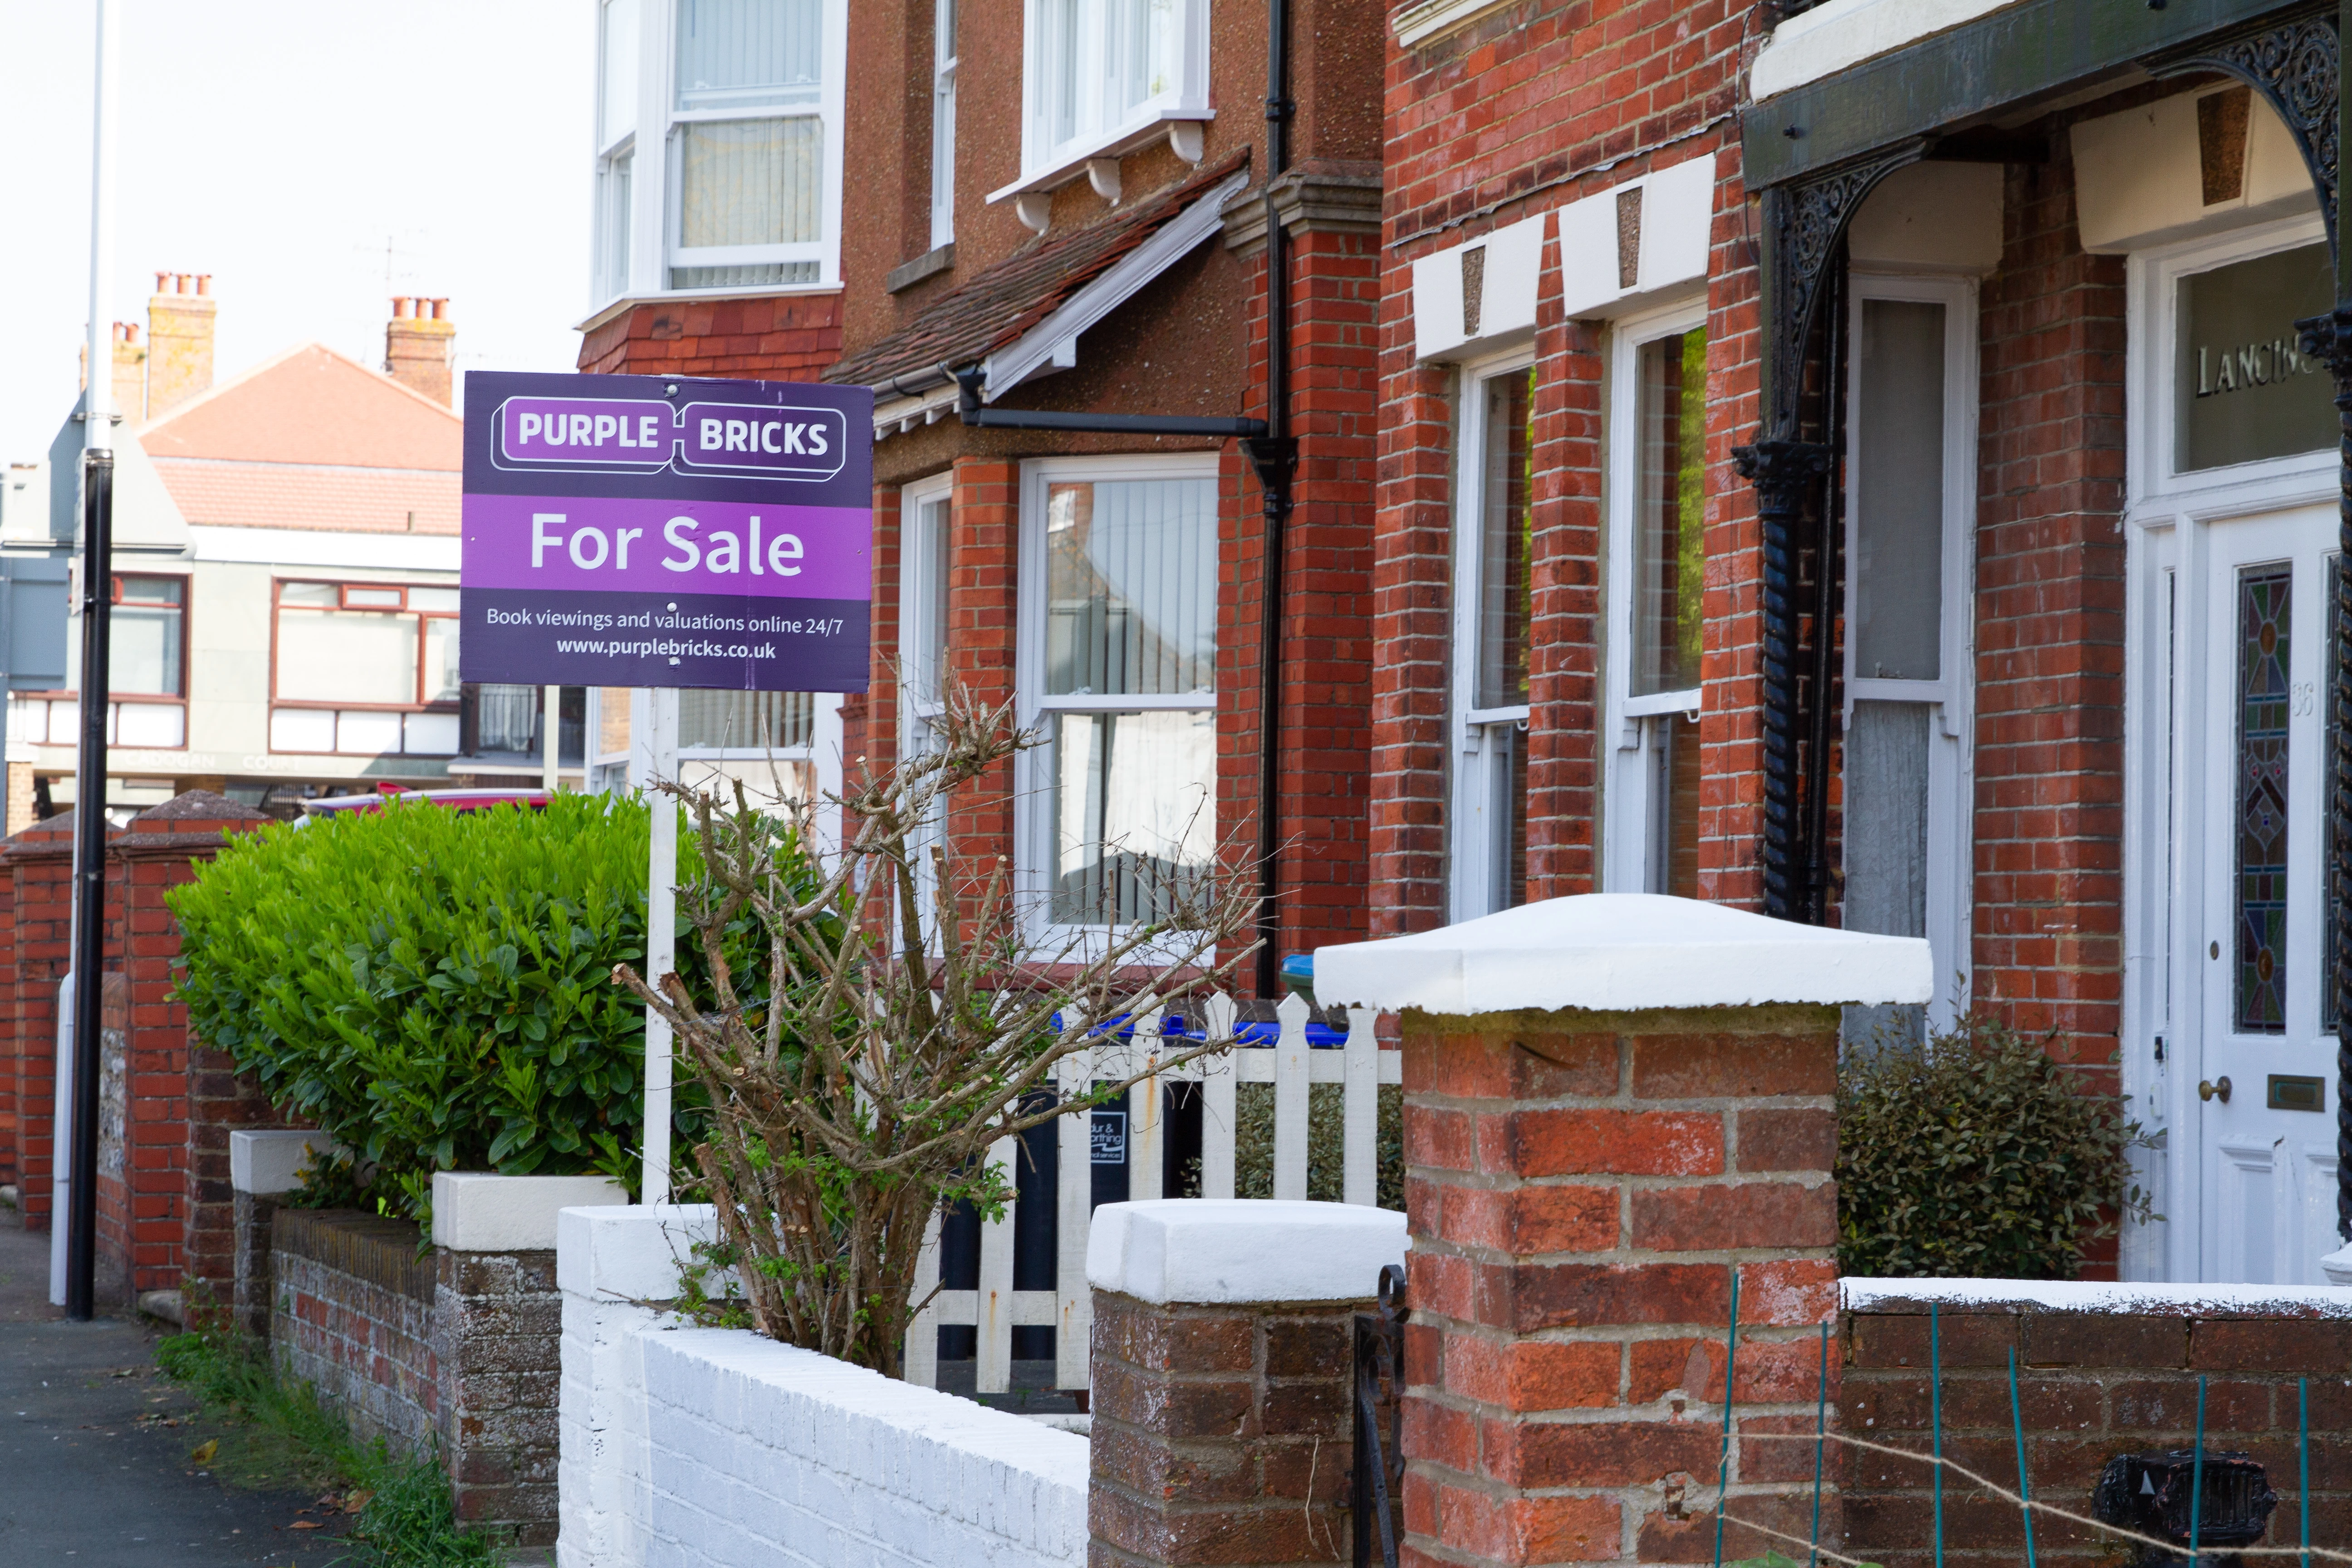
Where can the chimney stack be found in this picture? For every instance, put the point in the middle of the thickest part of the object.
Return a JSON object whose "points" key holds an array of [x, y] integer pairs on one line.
{"points": [[179, 339], [130, 372], [416, 346]]}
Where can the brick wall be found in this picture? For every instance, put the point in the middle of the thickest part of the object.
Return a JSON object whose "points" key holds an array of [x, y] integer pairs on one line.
{"points": [[2098, 1375], [1581, 1187], [2050, 627], [38, 863], [459, 1349], [1323, 780], [783, 337], [983, 576], [1220, 1434], [353, 1316]]}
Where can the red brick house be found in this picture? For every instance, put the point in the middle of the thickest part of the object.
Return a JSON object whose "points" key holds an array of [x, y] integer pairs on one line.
{"points": [[1855, 460]]}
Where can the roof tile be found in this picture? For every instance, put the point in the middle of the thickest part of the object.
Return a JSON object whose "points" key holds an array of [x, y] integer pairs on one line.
{"points": [[999, 305]]}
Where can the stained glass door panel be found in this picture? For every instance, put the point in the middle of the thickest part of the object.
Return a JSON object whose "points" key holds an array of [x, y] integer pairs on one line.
{"points": [[2250, 767]]}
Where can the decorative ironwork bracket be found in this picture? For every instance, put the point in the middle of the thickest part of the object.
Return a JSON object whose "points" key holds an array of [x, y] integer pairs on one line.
{"points": [[2294, 65]]}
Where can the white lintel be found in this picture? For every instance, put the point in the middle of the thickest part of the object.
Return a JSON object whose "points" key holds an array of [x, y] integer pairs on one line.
{"points": [[1623, 952], [1839, 34], [1225, 1251]]}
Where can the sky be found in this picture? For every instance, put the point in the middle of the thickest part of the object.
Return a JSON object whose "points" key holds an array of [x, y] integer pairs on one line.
{"points": [[282, 145]]}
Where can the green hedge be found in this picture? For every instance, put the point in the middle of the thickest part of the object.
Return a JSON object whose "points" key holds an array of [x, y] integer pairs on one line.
{"points": [[433, 988]]}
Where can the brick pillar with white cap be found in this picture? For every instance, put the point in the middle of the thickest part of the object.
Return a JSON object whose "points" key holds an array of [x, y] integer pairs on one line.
{"points": [[1614, 1103], [1223, 1361]]}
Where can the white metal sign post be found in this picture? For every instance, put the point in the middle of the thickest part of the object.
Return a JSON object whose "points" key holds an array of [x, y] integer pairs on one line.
{"points": [[653, 754]]}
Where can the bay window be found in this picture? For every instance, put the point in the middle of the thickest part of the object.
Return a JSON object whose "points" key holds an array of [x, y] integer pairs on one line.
{"points": [[743, 189], [364, 669], [1493, 609], [1117, 670], [1657, 570], [1101, 73]]}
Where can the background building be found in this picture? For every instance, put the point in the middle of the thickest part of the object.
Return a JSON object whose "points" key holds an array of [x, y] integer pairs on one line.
{"points": [[285, 579]]}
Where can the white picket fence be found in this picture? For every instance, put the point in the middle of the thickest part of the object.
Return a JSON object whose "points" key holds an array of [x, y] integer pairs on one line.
{"points": [[996, 1309]]}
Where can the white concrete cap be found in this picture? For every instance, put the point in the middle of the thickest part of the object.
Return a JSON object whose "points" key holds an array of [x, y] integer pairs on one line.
{"points": [[268, 1163], [480, 1212], [624, 1252], [1622, 953], [1220, 1251]]}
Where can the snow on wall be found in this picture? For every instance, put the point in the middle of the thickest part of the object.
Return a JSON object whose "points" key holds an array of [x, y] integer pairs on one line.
{"points": [[2098, 1296]]}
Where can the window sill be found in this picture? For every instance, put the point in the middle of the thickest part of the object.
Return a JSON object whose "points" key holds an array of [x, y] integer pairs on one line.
{"points": [[1686, 701], [1179, 125], [621, 304], [930, 263]]}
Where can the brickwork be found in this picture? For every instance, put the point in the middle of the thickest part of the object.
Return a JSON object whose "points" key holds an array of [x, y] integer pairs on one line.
{"points": [[461, 1350], [983, 575], [188, 1096], [2050, 628], [353, 1316], [1323, 783], [1581, 1187], [1220, 1434], [498, 1328], [39, 864], [1507, 118], [2091, 1384], [785, 337]]}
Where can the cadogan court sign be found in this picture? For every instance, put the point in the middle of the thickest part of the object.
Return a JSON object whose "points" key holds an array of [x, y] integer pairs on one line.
{"points": [[655, 531]]}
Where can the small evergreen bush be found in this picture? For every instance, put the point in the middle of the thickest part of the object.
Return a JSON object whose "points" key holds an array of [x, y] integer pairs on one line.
{"points": [[433, 988], [1326, 1144], [1975, 1156]]}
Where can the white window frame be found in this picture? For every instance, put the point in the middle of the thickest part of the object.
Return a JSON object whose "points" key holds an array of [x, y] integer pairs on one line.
{"points": [[1033, 826], [922, 668], [1102, 130], [620, 27], [943, 112], [1628, 722], [652, 212], [2152, 281], [1481, 767], [1950, 895]]}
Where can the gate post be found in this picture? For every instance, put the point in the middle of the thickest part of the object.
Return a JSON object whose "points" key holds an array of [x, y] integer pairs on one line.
{"points": [[1612, 1103], [1223, 1377]]}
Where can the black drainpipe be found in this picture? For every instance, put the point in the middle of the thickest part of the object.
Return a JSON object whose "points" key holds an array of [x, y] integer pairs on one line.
{"points": [[1274, 455], [1271, 450]]}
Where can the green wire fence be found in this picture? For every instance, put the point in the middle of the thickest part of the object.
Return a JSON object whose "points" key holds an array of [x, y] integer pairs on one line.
{"points": [[1938, 1463]]}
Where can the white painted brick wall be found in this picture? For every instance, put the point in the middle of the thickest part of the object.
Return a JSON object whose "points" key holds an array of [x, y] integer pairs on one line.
{"points": [[714, 1449]]}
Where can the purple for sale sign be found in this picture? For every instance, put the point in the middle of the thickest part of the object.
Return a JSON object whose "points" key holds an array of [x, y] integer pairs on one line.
{"points": [[652, 530]]}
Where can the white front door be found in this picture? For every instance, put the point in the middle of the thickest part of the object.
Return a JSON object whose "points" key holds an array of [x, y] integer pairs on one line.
{"points": [[2262, 1059]]}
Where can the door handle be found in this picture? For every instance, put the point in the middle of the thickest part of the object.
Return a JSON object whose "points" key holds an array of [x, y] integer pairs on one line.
{"points": [[2217, 1089]]}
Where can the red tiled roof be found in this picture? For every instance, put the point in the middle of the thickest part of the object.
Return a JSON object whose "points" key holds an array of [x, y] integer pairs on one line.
{"points": [[291, 495], [1001, 303], [311, 405]]}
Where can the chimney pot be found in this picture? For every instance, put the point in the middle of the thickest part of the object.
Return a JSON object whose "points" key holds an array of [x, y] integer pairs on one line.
{"points": [[204, 283], [399, 307], [158, 281]]}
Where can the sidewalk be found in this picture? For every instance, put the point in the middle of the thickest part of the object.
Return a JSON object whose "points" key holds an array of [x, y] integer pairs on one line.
{"points": [[81, 1481]]}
